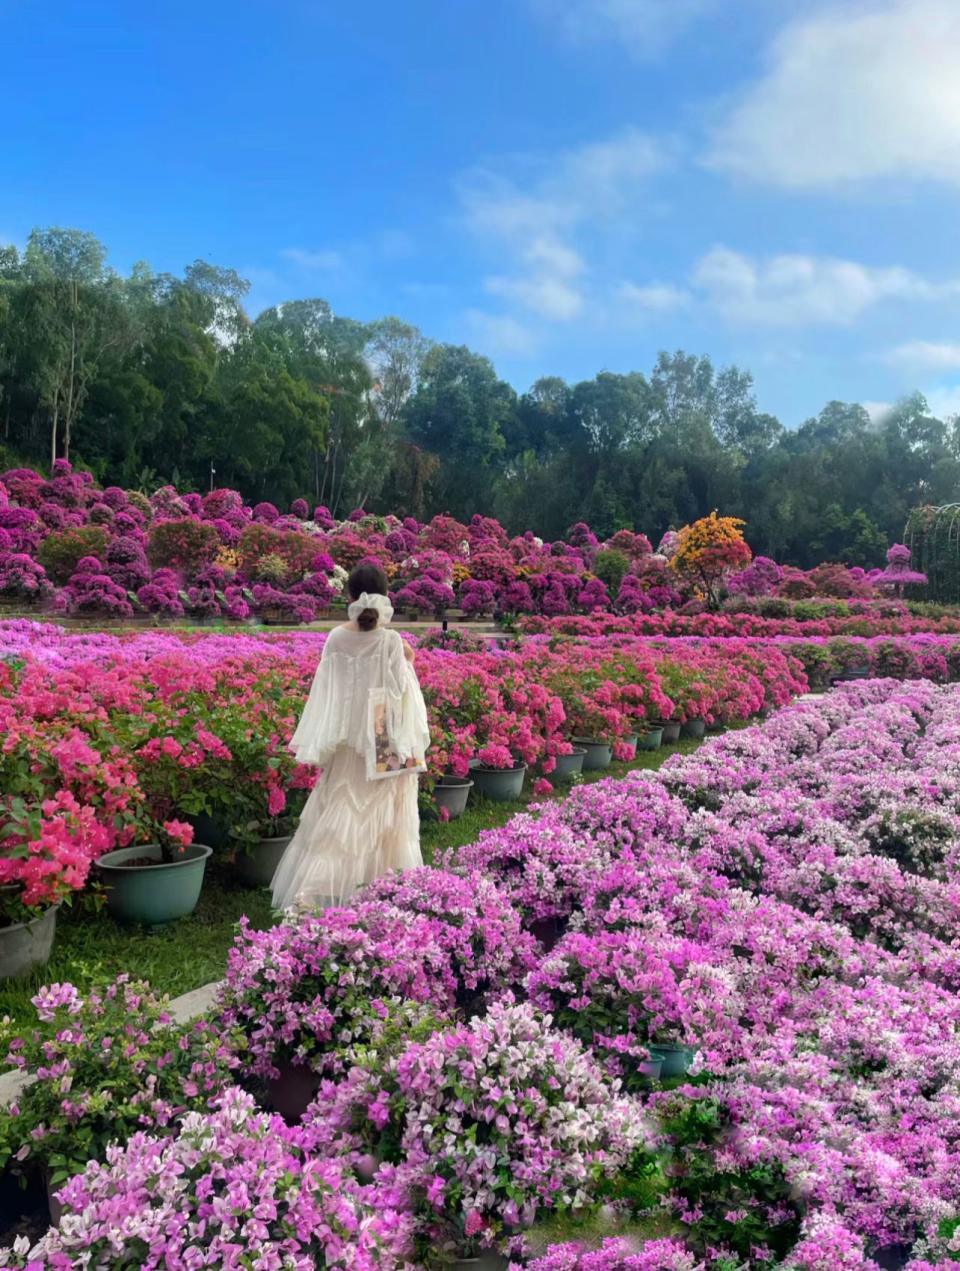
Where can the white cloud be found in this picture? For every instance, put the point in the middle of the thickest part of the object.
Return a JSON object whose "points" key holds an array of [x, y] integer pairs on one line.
{"points": [[658, 297], [862, 92], [927, 355], [944, 402], [798, 290], [878, 411], [501, 335], [644, 27], [313, 259], [549, 287], [534, 218], [551, 298]]}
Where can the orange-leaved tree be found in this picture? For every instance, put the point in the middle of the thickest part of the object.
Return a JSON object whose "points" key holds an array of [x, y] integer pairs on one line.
{"points": [[707, 550]]}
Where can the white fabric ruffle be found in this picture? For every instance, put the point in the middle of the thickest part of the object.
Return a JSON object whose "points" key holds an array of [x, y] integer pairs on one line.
{"points": [[351, 832]]}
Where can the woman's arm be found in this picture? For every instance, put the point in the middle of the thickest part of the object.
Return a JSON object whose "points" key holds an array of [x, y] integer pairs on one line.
{"points": [[408, 650]]}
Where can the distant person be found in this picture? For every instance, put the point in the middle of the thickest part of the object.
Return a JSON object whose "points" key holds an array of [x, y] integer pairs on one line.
{"points": [[365, 724]]}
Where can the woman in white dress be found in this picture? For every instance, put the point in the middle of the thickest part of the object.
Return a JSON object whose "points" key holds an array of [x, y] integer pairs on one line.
{"points": [[365, 724]]}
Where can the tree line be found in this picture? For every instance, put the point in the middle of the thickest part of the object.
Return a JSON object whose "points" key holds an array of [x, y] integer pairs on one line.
{"points": [[154, 378]]}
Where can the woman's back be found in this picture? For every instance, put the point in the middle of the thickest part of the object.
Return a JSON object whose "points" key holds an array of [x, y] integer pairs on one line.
{"points": [[365, 725]]}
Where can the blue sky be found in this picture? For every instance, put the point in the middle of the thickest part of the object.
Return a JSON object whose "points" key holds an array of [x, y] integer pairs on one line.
{"points": [[565, 185]]}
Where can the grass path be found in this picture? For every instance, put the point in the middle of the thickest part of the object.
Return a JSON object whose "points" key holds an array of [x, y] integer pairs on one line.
{"points": [[90, 948]]}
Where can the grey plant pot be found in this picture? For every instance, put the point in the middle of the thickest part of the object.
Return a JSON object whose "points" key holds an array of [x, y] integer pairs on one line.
{"points": [[257, 866], [54, 1207], [452, 793], [599, 753], [500, 784], [27, 945], [486, 1262], [153, 894], [651, 1068], [676, 1059], [651, 739], [569, 766], [693, 728], [671, 732]]}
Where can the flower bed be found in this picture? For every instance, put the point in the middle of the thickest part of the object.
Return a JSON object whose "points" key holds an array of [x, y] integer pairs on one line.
{"points": [[784, 902], [85, 551], [111, 741], [801, 619]]}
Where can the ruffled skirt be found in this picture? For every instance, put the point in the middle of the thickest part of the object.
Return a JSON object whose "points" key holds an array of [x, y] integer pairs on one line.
{"points": [[352, 831]]}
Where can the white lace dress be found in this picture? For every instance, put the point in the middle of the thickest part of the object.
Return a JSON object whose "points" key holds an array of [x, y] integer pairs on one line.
{"points": [[353, 829]]}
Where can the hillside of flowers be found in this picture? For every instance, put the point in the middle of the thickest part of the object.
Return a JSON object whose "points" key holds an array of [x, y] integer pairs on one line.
{"points": [[478, 1039], [117, 739], [79, 551]]}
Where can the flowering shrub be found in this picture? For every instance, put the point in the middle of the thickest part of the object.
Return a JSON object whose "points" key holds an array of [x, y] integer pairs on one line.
{"points": [[426, 594], [623, 992], [293, 993], [473, 923], [230, 1182], [61, 520], [22, 578], [183, 544], [60, 552], [708, 549], [104, 1066], [503, 1117], [784, 900], [618, 1254]]}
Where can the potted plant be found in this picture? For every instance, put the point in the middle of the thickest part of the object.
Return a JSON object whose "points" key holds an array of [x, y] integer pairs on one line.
{"points": [[496, 1158], [693, 728], [499, 776], [569, 765], [671, 732], [46, 849], [451, 793], [158, 879], [263, 837], [102, 1066], [598, 754], [26, 934], [308, 1212]]}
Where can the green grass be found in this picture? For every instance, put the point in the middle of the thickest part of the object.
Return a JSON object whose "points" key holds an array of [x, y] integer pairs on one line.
{"points": [[90, 948], [592, 1229]]}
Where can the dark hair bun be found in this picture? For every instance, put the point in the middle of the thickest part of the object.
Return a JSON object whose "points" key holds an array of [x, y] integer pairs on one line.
{"points": [[371, 579]]}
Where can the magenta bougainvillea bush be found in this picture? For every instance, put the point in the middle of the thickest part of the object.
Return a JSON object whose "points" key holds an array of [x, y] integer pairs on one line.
{"points": [[781, 905], [211, 556]]}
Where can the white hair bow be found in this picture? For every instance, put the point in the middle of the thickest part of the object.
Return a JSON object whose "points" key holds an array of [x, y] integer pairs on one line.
{"points": [[370, 600]]}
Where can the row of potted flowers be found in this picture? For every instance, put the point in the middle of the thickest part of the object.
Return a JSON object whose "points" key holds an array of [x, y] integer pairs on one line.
{"points": [[158, 748], [163, 747]]}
